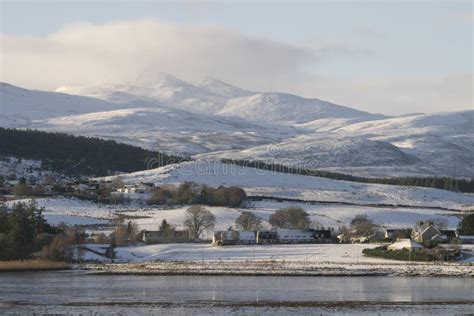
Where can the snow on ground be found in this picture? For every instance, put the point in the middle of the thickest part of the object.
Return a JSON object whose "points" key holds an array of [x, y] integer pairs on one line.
{"points": [[269, 183], [340, 253], [71, 207], [56, 219], [24, 168], [306, 253], [336, 215], [399, 146], [77, 212], [71, 211]]}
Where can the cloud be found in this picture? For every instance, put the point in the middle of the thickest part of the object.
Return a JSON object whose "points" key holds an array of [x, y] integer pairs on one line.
{"points": [[134, 51], [124, 51], [397, 95]]}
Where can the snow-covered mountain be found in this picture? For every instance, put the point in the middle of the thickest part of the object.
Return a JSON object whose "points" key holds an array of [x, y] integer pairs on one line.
{"points": [[18, 106], [215, 97], [288, 109], [213, 119], [208, 97]]}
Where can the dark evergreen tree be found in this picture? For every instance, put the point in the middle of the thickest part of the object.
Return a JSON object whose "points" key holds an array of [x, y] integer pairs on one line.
{"points": [[466, 225]]}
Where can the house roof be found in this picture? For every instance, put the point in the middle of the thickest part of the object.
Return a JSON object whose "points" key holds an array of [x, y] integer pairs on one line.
{"points": [[247, 234], [294, 233], [405, 243]]}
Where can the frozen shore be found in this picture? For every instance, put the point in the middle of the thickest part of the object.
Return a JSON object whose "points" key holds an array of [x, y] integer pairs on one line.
{"points": [[283, 268]]}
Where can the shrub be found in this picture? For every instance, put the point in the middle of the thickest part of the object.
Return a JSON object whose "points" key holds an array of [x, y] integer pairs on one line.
{"points": [[404, 254]]}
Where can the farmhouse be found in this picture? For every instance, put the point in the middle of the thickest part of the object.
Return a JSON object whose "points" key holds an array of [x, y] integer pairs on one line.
{"points": [[426, 234], [234, 237], [141, 188], [294, 236], [466, 239], [264, 237]]}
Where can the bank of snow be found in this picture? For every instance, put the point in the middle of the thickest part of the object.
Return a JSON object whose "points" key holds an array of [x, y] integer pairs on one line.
{"points": [[311, 259]]}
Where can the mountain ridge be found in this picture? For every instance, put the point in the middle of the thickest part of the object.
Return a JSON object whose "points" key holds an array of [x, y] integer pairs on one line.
{"points": [[271, 127]]}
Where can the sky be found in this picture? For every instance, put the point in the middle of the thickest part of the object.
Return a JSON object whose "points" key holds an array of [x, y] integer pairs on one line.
{"points": [[390, 57]]}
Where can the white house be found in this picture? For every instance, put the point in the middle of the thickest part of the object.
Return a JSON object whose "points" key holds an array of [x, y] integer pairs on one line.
{"points": [[405, 244], [293, 236]]}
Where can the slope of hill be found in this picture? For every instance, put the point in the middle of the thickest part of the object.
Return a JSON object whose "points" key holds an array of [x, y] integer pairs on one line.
{"points": [[269, 183], [423, 144], [169, 130], [288, 109], [219, 120], [73, 155], [21, 106]]}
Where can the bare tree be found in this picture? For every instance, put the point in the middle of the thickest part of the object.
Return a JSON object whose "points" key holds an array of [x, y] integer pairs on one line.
{"points": [[248, 221], [125, 234], [361, 225], [117, 183], [197, 220], [290, 217]]}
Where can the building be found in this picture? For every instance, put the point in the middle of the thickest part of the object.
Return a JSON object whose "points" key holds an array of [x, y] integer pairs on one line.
{"points": [[247, 237], [141, 188], [466, 239], [265, 237], [449, 234], [274, 236], [165, 237], [295, 236], [405, 244], [426, 234], [234, 237], [395, 234], [323, 235]]}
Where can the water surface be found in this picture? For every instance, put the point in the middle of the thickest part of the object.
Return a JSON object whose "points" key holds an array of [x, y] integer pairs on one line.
{"points": [[78, 292]]}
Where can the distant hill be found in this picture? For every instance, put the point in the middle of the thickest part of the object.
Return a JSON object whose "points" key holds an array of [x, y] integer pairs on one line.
{"points": [[213, 119], [73, 155]]}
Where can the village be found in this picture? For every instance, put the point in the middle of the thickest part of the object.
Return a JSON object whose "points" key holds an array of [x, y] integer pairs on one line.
{"points": [[423, 241]]}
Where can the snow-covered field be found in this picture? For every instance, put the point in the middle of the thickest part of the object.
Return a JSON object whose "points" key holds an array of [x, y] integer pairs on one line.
{"points": [[77, 212], [268, 183], [310, 259], [316, 253], [339, 253]]}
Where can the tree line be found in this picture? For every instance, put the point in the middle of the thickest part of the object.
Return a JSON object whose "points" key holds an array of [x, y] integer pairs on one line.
{"points": [[79, 155], [192, 193], [444, 183]]}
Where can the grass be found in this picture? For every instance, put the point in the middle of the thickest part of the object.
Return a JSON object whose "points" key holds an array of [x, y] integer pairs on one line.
{"points": [[32, 265]]}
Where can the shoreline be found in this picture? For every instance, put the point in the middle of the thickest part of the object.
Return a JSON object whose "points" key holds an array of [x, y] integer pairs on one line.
{"points": [[33, 266], [279, 268]]}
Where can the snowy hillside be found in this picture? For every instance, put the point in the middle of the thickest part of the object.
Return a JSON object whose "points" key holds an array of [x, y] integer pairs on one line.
{"points": [[288, 109], [268, 183], [216, 120], [20, 106], [423, 144], [169, 130]]}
